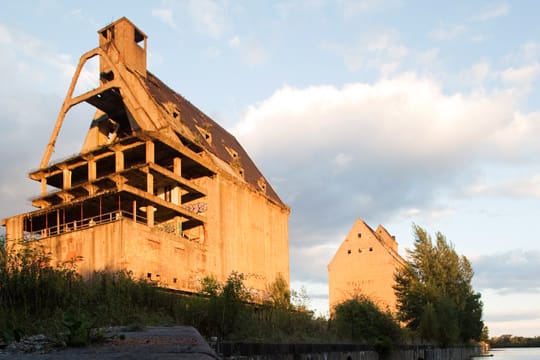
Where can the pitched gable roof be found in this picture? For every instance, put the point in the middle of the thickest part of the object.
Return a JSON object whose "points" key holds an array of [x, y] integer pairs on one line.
{"points": [[381, 235], [213, 138]]}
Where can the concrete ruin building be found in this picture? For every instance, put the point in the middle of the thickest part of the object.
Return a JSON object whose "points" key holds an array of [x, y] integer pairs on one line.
{"points": [[364, 265], [158, 188]]}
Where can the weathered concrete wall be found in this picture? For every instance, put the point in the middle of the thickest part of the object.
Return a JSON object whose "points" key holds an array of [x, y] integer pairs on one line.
{"points": [[171, 260], [325, 352], [246, 233], [363, 265]]}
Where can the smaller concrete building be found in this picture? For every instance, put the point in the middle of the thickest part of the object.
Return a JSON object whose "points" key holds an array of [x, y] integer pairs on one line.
{"points": [[365, 264]]}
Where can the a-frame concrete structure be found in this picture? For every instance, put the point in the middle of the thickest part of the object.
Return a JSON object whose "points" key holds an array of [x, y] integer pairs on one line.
{"points": [[158, 188]]}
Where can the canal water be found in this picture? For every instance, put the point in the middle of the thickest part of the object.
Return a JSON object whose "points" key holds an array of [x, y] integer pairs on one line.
{"points": [[514, 354]]}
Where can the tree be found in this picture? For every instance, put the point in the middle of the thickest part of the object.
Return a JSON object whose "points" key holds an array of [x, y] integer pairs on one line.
{"points": [[360, 320], [279, 294], [434, 294], [226, 303]]}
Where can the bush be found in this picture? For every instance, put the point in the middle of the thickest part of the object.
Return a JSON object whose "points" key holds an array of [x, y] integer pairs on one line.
{"points": [[359, 320]]}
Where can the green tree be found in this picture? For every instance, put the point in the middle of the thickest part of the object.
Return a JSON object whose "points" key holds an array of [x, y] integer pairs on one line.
{"points": [[434, 293], [226, 303], [360, 320], [279, 294]]}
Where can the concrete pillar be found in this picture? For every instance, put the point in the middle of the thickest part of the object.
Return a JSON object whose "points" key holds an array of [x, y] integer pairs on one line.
{"points": [[43, 186], [177, 166], [119, 160], [150, 183], [92, 170], [176, 193], [150, 152], [134, 210], [177, 225], [66, 179], [150, 215], [13, 229], [57, 221]]}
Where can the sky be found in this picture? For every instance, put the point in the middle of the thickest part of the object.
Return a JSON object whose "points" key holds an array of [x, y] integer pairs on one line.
{"points": [[396, 112]]}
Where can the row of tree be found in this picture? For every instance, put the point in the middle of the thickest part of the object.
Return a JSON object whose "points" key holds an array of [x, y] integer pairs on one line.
{"points": [[434, 293], [436, 303], [514, 341]]}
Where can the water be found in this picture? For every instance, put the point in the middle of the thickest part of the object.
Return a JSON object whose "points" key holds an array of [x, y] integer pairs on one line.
{"points": [[514, 354]]}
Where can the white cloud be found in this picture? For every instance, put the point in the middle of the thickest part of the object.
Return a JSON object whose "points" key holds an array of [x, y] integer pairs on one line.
{"points": [[476, 74], [288, 8], [382, 52], [234, 41], [209, 16], [523, 75], [519, 187], [31, 62], [527, 53], [447, 33], [252, 50], [530, 51], [351, 8], [375, 150], [255, 53], [363, 116], [164, 15], [343, 160], [492, 12], [35, 79], [512, 272]]}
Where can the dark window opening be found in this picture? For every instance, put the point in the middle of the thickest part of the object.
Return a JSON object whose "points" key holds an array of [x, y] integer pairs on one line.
{"points": [[107, 76], [174, 280], [370, 249], [359, 235], [108, 33], [138, 36], [349, 251], [149, 275]]}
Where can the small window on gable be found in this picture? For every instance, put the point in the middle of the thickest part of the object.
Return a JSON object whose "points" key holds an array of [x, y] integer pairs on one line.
{"points": [[349, 251], [359, 235], [205, 134], [370, 249], [262, 184], [232, 152], [173, 110]]}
